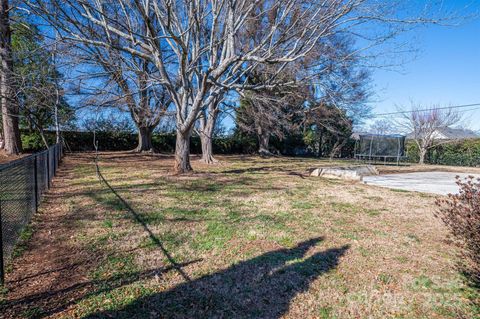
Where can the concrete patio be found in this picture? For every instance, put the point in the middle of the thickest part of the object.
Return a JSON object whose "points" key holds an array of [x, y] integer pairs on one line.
{"points": [[441, 183]]}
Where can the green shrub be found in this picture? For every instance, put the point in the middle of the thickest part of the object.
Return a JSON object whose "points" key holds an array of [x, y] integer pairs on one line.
{"points": [[33, 142], [80, 141], [455, 153]]}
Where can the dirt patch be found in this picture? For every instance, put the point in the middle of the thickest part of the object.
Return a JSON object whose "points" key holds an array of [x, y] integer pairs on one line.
{"points": [[51, 273], [4, 158]]}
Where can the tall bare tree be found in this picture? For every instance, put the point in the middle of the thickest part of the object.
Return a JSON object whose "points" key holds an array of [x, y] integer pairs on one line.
{"points": [[9, 106], [114, 77], [207, 122], [127, 85], [425, 124], [196, 45], [271, 113], [382, 127]]}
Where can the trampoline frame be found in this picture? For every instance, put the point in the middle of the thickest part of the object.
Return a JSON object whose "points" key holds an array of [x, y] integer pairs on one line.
{"points": [[401, 152]]}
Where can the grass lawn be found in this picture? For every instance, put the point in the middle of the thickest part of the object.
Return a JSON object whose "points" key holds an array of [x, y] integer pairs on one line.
{"points": [[250, 237]]}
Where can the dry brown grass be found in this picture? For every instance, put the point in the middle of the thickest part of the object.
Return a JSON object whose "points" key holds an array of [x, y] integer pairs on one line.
{"points": [[4, 158], [250, 237]]}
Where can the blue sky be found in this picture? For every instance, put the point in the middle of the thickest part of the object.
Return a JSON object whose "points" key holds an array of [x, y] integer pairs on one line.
{"points": [[446, 70]]}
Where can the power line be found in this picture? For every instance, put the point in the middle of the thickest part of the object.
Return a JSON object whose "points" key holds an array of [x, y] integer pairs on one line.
{"points": [[430, 109]]}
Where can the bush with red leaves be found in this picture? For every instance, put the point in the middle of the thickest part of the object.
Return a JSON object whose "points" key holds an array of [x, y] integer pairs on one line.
{"points": [[461, 213]]}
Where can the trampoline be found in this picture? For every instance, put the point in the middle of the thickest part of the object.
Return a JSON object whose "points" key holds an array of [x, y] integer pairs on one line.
{"points": [[373, 147]]}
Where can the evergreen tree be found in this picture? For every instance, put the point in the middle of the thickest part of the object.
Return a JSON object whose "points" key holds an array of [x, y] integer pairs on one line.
{"points": [[40, 96]]}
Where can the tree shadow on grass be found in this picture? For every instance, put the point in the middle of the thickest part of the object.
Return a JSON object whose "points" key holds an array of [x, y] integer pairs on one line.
{"points": [[262, 287], [140, 220], [265, 170], [55, 301]]}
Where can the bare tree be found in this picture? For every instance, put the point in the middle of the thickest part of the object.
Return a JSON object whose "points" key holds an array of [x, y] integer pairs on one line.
{"points": [[327, 128], [424, 126], [11, 132], [196, 45], [271, 113], [207, 122], [127, 84], [382, 127]]}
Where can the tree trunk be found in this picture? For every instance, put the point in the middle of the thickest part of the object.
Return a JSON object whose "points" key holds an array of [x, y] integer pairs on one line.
{"points": [[144, 139], [207, 149], [337, 147], [263, 142], [44, 139], [11, 131], [182, 153], [422, 155], [206, 136], [320, 145]]}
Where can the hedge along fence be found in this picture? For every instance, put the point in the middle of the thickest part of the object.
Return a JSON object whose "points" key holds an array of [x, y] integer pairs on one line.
{"points": [[124, 141], [165, 142], [455, 153]]}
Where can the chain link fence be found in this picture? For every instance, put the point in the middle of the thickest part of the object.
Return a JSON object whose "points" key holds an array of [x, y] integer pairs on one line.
{"points": [[22, 184]]}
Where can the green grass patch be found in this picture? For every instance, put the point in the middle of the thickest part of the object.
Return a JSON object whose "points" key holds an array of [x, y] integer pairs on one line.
{"points": [[25, 235], [345, 208], [414, 238], [108, 224], [111, 299], [115, 267], [241, 223], [396, 190], [215, 236], [326, 313], [422, 282], [302, 205], [34, 312], [372, 212], [385, 279], [364, 252]]}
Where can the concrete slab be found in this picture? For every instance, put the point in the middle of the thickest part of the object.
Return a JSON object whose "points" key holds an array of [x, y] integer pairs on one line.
{"points": [[441, 183], [354, 173]]}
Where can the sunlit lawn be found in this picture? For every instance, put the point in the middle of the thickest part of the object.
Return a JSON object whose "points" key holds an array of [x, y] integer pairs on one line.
{"points": [[255, 238]]}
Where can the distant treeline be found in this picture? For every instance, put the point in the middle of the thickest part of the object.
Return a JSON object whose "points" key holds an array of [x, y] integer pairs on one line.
{"points": [[165, 142], [456, 153]]}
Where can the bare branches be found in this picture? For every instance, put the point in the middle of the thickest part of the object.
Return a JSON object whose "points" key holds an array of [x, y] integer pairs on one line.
{"points": [[425, 125], [204, 48]]}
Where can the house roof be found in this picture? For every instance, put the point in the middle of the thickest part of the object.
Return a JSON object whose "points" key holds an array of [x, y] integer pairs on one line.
{"points": [[458, 133], [449, 133]]}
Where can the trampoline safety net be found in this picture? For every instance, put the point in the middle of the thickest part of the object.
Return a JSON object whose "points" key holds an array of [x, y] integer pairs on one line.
{"points": [[371, 146]]}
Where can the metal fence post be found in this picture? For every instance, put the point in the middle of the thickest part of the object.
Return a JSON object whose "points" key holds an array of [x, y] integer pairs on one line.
{"points": [[2, 269], [54, 161], [48, 168], [35, 179]]}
